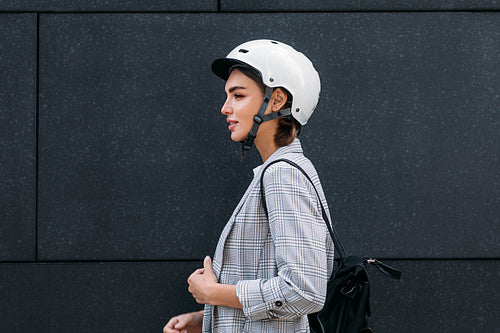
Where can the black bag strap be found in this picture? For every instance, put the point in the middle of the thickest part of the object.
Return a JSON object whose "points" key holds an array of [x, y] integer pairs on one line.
{"points": [[384, 268], [336, 240]]}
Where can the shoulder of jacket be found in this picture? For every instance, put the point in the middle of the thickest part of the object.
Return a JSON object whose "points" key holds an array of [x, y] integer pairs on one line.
{"points": [[300, 160], [282, 170]]}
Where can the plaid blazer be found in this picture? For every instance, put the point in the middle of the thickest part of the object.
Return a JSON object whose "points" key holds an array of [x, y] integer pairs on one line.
{"points": [[280, 266]]}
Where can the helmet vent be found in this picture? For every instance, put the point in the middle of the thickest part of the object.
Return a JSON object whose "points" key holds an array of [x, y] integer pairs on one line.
{"points": [[243, 51], [274, 42]]}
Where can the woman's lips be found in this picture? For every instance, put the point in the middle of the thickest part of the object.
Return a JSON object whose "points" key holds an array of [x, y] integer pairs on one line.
{"points": [[232, 125]]}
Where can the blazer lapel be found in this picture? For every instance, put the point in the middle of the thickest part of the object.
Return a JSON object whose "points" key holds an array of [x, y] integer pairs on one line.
{"points": [[217, 260]]}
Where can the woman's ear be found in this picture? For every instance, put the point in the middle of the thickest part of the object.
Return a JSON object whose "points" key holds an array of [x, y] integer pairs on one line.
{"points": [[278, 99]]}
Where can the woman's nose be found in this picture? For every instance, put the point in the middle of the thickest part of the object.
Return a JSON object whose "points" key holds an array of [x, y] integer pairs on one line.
{"points": [[226, 108]]}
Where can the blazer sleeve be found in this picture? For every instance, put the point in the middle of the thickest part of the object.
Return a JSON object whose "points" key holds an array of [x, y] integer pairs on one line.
{"points": [[298, 232]]}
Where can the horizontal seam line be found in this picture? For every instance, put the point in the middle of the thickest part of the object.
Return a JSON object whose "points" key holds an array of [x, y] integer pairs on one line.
{"points": [[190, 260], [215, 11]]}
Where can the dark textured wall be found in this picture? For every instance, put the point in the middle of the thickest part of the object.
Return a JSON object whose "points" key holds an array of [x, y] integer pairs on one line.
{"points": [[17, 136], [117, 173]]}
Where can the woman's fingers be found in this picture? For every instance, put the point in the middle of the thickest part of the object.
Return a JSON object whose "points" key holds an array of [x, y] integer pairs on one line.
{"points": [[174, 325], [188, 322]]}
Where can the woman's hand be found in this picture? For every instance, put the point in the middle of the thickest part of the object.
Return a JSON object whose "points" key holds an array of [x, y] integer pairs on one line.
{"points": [[185, 323], [203, 282], [205, 289]]}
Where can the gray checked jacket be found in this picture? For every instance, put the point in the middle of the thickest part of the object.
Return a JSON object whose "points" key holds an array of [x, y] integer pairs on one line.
{"points": [[280, 265]]}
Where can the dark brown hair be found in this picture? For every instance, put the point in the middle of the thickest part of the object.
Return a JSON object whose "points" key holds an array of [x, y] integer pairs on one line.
{"points": [[288, 130], [288, 127]]}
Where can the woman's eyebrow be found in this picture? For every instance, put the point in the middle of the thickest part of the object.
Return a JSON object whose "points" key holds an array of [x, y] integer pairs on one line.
{"points": [[235, 88]]}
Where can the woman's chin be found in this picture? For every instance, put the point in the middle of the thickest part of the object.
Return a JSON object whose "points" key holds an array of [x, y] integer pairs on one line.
{"points": [[237, 138]]}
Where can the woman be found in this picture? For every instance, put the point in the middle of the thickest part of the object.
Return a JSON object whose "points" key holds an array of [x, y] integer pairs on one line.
{"points": [[269, 270]]}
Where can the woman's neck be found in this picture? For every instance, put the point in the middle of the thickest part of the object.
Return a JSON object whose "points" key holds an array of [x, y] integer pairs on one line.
{"points": [[265, 140], [266, 151]]}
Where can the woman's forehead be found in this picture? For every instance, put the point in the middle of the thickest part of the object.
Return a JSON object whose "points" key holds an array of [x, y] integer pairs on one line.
{"points": [[237, 78]]}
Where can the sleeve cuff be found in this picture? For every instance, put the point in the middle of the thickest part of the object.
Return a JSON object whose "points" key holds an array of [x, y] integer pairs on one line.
{"points": [[258, 301]]}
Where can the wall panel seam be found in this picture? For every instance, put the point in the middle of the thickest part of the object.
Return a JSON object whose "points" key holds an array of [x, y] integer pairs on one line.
{"points": [[37, 116], [350, 11], [220, 10], [215, 11]]}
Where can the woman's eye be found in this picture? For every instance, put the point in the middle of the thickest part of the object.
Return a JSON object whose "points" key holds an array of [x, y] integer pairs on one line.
{"points": [[238, 96]]}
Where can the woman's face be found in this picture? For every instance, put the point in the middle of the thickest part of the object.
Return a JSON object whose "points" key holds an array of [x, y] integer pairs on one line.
{"points": [[244, 97]]}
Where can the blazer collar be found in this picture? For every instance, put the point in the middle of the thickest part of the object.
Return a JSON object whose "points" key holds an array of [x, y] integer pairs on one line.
{"points": [[294, 148]]}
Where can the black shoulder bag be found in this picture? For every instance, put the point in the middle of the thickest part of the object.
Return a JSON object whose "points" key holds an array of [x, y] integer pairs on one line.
{"points": [[347, 304]]}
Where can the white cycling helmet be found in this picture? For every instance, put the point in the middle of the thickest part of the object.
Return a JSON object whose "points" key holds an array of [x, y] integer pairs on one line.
{"points": [[279, 65]]}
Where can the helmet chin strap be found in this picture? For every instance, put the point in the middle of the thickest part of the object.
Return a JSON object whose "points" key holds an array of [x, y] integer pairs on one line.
{"points": [[260, 118]]}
